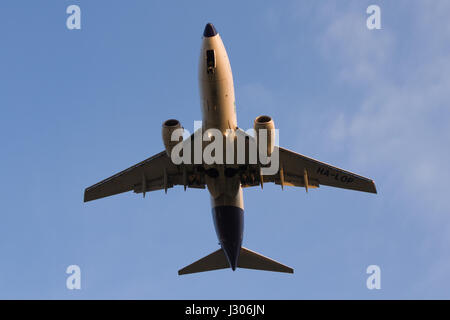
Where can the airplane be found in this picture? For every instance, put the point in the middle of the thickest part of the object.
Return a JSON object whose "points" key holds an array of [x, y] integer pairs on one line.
{"points": [[225, 182]]}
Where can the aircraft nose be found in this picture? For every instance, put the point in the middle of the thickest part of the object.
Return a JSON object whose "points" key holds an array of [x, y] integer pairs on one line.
{"points": [[210, 31]]}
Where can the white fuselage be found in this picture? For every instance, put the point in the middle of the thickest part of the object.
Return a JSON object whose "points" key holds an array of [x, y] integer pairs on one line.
{"points": [[219, 112]]}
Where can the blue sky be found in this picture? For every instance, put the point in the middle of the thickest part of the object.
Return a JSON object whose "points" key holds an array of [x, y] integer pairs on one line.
{"points": [[80, 105]]}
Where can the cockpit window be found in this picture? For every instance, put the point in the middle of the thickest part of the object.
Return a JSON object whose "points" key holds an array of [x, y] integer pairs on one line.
{"points": [[210, 61]]}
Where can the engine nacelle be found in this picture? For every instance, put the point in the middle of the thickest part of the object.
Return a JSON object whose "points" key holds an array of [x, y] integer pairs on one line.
{"points": [[168, 127], [265, 122]]}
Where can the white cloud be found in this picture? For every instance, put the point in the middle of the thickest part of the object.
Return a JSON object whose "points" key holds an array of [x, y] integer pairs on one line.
{"points": [[361, 51], [399, 125]]}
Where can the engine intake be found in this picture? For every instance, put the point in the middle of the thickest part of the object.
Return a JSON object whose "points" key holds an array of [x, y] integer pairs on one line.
{"points": [[265, 123], [168, 127]]}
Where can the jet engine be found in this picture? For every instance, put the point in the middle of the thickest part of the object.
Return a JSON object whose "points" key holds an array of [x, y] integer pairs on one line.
{"points": [[265, 122], [168, 127]]}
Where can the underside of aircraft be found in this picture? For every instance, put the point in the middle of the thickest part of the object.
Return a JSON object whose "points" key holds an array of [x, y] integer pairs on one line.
{"points": [[230, 172]]}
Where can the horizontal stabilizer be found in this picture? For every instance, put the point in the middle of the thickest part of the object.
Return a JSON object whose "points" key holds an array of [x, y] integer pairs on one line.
{"points": [[247, 259], [214, 261], [251, 260]]}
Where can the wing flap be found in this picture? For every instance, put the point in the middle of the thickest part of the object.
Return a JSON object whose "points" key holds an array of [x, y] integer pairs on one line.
{"points": [[319, 173], [126, 180], [301, 171]]}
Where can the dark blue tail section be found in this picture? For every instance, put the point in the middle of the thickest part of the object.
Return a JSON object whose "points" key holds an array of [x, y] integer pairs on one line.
{"points": [[229, 224]]}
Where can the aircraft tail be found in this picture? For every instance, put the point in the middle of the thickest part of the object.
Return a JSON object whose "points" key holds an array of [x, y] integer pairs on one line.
{"points": [[247, 259], [251, 260]]}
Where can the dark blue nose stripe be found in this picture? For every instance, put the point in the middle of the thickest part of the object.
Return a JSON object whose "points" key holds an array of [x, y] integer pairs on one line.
{"points": [[210, 31]]}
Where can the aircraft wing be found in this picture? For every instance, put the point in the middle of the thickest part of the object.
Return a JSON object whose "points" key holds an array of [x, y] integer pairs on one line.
{"points": [[300, 171], [155, 173]]}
